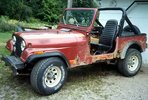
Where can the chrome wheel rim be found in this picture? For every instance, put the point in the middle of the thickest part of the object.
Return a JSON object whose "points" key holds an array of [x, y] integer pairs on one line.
{"points": [[52, 76], [133, 63]]}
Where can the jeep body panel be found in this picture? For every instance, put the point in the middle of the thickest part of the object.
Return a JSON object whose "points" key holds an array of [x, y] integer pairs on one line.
{"points": [[137, 41]]}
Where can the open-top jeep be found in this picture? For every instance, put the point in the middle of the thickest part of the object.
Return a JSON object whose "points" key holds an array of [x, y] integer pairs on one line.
{"points": [[47, 54]]}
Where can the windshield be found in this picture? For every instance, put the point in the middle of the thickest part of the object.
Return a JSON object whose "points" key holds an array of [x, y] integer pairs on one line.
{"points": [[78, 17]]}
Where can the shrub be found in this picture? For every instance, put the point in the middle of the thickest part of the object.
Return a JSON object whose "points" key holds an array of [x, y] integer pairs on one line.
{"points": [[45, 10], [83, 3], [48, 10], [15, 9], [4, 25]]}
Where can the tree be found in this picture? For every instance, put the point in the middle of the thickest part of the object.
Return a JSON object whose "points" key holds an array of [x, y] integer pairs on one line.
{"points": [[69, 3], [83, 3], [16, 9], [50, 10], [45, 10]]}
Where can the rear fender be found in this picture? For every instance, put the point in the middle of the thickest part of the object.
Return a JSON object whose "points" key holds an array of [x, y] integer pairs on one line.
{"points": [[130, 45]]}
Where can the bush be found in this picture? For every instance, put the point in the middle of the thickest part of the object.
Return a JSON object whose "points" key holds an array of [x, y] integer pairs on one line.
{"points": [[5, 26], [84, 3], [50, 10], [15, 9], [22, 10], [33, 20]]}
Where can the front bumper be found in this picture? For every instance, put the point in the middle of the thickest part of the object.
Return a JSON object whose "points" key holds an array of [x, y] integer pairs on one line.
{"points": [[14, 63]]}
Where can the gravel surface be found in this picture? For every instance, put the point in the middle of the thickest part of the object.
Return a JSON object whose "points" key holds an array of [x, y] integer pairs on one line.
{"points": [[123, 88], [89, 83]]}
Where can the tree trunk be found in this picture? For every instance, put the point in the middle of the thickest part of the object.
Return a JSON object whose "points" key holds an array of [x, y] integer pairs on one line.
{"points": [[69, 4]]}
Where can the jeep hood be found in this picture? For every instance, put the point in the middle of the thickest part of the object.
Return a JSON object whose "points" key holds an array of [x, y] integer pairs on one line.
{"points": [[52, 38]]}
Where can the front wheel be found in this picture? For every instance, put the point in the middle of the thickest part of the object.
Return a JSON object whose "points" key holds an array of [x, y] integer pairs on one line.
{"points": [[48, 75], [131, 64]]}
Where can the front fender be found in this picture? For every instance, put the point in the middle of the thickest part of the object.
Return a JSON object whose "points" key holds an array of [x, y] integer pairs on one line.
{"points": [[36, 57], [9, 45]]}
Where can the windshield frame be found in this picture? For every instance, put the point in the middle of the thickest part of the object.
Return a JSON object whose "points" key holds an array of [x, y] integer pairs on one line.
{"points": [[84, 28], [76, 17]]}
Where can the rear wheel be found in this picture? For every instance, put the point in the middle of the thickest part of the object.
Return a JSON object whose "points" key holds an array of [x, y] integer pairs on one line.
{"points": [[48, 75], [131, 64]]}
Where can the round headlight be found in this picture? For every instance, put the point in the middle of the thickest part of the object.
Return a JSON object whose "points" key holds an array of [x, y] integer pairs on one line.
{"points": [[23, 45], [13, 40]]}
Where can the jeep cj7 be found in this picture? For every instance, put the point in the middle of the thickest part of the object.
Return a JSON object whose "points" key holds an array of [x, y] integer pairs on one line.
{"points": [[47, 54]]}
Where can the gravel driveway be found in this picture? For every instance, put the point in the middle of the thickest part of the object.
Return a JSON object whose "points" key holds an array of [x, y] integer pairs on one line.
{"points": [[90, 83], [122, 88]]}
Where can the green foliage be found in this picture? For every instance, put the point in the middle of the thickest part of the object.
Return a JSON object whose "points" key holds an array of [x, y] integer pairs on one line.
{"points": [[16, 9], [44, 10], [4, 37], [4, 25], [50, 10], [7, 25], [84, 3], [33, 20]]}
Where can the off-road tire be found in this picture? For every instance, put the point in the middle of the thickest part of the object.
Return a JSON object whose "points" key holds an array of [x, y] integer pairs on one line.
{"points": [[39, 73], [124, 65]]}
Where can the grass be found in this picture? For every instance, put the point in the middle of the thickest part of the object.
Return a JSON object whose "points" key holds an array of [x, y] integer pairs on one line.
{"points": [[4, 37]]}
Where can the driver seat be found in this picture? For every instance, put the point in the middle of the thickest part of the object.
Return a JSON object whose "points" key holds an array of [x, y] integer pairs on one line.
{"points": [[107, 37]]}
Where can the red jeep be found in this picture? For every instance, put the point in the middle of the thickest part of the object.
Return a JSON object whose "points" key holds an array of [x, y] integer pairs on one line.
{"points": [[47, 54]]}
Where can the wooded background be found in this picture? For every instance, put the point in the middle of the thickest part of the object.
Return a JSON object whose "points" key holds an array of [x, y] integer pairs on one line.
{"points": [[44, 10]]}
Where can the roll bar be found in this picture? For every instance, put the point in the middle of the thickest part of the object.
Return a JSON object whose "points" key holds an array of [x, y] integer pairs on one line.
{"points": [[122, 20]]}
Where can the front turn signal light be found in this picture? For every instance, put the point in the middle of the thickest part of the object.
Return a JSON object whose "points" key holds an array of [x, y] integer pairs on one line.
{"points": [[39, 52]]}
